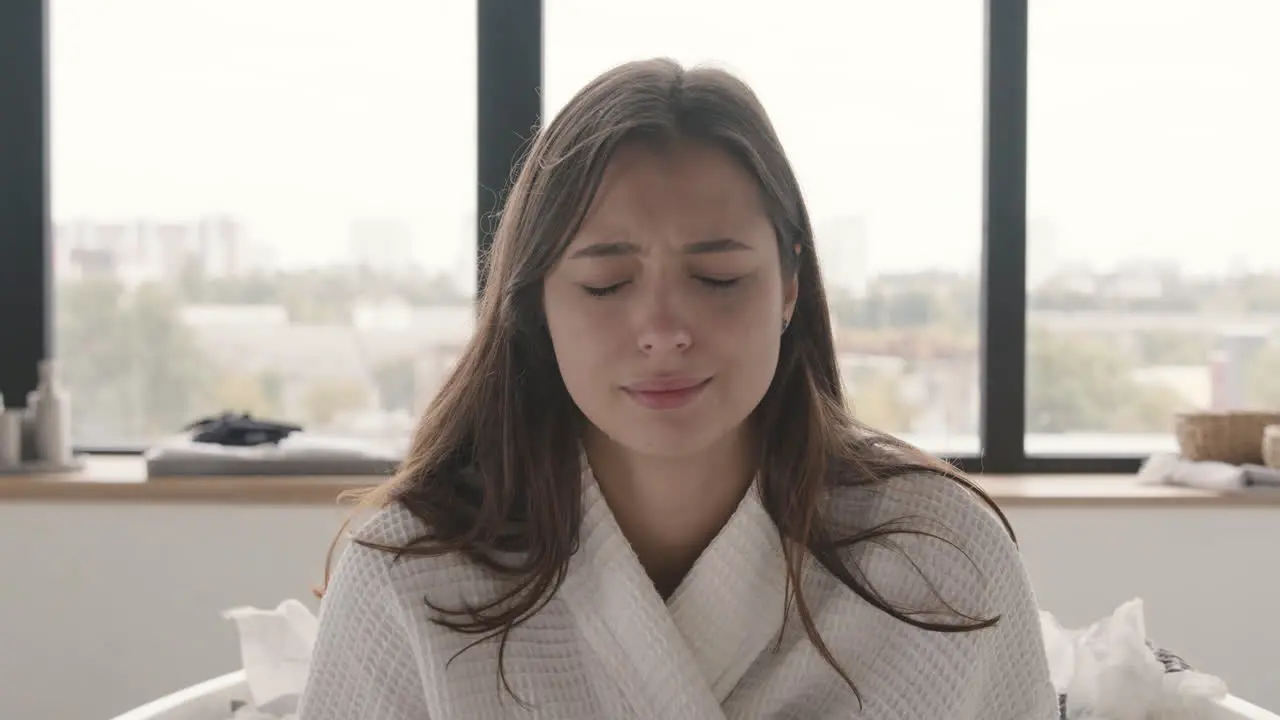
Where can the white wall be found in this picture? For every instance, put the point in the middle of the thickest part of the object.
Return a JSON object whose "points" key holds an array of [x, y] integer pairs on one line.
{"points": [[105, 606]]}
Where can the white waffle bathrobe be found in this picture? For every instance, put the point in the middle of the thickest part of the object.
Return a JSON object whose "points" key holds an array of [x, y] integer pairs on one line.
{"points": [[608, 646]]}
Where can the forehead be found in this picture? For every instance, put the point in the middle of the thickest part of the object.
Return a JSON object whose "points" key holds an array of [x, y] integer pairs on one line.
{"points": [[682, 182]]}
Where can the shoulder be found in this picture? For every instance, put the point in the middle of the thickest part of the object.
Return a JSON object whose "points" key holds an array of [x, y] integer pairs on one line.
{"points": [[931, 524], [951, 551], [386, 552], [368, 562], [392, 526], [364, 575], [363, 663], [931, 498]]}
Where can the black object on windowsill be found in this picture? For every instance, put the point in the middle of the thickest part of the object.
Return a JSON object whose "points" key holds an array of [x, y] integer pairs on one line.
{"points": [[239, 430]]}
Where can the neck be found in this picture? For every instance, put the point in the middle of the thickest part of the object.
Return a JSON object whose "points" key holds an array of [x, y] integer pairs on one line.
{"points": [[671, 508]]}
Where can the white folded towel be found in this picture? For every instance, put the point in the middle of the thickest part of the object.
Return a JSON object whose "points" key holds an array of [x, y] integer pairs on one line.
{"points": [[1165, 469]]}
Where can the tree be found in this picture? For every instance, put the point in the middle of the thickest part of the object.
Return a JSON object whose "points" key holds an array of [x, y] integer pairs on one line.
{"points": [[912, 301], [1077, 383], [244, 392], [396, 381], [878, 401], [1172, 347], [328, 398], [320, 295], [133, 370]]}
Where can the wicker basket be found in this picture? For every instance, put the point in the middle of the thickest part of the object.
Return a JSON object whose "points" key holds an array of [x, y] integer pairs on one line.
{"points": [[1233, 436], [1271, 446]]}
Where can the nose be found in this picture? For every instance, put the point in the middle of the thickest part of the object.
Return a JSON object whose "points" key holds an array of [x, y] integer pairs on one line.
{"points": [[661, 341], [662, 330]]}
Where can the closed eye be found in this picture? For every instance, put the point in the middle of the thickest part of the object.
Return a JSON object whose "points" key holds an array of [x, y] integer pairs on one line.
{"points": [[718, 283], [603, 291], [713, 283]]}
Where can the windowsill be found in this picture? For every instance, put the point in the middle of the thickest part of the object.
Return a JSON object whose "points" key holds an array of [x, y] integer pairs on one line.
{"points": [[123, 479]]}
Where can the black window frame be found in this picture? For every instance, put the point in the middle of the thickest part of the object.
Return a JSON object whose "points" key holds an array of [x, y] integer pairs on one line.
{"points": [[509, 73]]}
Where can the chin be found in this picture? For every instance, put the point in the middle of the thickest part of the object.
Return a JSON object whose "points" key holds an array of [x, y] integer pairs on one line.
{"points": [[670, 441]]}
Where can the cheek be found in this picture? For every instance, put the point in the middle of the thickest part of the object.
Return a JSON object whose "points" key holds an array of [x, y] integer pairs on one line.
{"points": [[584, 340], [753, 342], [749, 334], [748, 316], [582, 323]]}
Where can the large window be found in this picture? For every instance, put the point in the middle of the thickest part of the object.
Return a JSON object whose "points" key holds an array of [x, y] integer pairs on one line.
{"points": [[260, 205], [1045, 226], [880, 108], [1153, 233]]}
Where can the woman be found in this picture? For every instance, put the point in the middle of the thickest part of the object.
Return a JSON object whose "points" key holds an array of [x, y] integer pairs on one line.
{"points": [[640, 494]]}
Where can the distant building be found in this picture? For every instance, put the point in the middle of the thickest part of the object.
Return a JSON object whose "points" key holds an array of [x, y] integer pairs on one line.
{"points": [[152, 250], [382, 245], [843, 251]]}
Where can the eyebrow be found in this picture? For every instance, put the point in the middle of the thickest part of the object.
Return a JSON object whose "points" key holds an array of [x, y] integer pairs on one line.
{"points": [[616, 249]]}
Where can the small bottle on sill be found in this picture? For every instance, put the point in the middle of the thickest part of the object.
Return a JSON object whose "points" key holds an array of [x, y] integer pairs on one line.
{"points": [[52, 418]]}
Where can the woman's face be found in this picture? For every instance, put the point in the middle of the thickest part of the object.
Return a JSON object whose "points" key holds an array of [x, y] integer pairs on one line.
{"points": [[666, 311]]}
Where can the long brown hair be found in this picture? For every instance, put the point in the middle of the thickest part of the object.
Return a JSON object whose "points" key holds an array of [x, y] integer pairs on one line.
{"points": [[494, 468]]}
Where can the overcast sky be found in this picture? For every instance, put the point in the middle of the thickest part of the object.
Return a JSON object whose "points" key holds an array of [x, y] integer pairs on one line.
{"points": [[1152, 121]]}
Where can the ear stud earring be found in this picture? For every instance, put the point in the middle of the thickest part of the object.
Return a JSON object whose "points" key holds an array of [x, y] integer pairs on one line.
{"points": [[785, 324]]}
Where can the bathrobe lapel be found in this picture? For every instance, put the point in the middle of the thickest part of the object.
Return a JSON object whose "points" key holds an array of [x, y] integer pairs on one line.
{"points": [[729, 608], [679, 660]]}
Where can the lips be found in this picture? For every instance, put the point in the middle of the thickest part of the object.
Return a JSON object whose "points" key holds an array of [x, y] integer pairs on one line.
{"points": [[667, 393]]}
